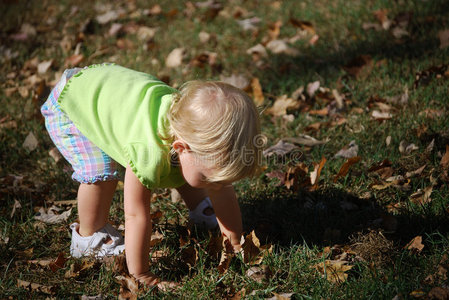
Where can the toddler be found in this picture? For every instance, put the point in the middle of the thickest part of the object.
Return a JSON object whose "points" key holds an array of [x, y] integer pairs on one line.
{"points": [[198, 140]]}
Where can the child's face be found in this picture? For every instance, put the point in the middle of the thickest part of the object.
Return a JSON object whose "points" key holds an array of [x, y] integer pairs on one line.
{"points": [[195, 172]]}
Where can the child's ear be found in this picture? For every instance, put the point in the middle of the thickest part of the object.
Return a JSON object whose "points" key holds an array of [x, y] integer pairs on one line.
{"points": [[179, 146]]}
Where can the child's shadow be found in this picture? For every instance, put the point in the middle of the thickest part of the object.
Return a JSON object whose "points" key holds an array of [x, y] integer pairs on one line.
{"points": [[328, 217]]}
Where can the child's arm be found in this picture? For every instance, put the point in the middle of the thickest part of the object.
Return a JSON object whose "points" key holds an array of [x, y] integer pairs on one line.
{"points": [[137, 224], [228, 213]]}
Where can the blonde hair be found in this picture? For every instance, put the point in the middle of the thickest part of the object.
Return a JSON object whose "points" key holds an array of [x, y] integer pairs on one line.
{"points": [[221, 125]]}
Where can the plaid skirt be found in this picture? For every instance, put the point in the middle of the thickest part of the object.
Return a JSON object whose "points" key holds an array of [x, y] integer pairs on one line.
{"points": [[90, 164]]}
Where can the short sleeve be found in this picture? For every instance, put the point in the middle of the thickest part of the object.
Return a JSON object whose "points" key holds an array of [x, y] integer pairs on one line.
{"points": [[148, 163]]}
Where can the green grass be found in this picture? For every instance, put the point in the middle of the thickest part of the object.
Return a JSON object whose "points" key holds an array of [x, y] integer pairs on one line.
{"points": [[299, 224]]}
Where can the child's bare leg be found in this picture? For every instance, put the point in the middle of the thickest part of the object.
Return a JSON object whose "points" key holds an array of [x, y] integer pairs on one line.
{"points": [[94, 201]]}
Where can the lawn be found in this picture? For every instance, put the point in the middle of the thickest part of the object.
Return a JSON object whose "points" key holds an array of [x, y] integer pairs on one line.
{"points": [[353, 200]]}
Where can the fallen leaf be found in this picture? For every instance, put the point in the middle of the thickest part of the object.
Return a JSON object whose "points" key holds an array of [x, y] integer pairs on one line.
{"points": [[58, 263], [283, 296], [444, 162], [281, 105], [382, 17], [312, 88], [227, 253], [415, 172], [334, 270], [35, 287], [257, 52], [74, 60], [55, 154], [15, 206], [296, 176], [315, 174], [415, 244], [274, 29], [345, 167], [253, 252], [282, 148], [239, 81], [174, 59], [439, 293], [380, 116], [51, 216], [129, 287], [257, 92], [30, 142], [306, 140], [258, 274], [249, 24], [444, 38], [406, 148], [422, 197], [281, 47], [204, 37], [108, 16], [43, 67], [348, 151]]}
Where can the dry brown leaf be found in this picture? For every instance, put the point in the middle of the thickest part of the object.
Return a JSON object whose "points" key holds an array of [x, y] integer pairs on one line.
{"points": [[253, 252], [58, 263], [238, 80], [444, 38], [281, 105], [175, 57], [439, 293], [305, 140], [349, 151], [422, 197], [283, 296], [382, 17], [345, 167], [282, 148], [274, 29], [259, 274], [129, 287], [281, 47], [51, 216], [315, 174], [15, 206], [415, 172], [257, 92], [444, 162], [334, 270], [415, 244], [55, 154], [35, 287], [74, 60], [380, 116], [227, 253], [321, 112], [296, 177], [312, 87], [30, 142], [78, 269], [189, 255]]}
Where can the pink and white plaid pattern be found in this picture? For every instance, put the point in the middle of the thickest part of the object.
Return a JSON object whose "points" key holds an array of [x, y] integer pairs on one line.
{"points": [[90, 163]]}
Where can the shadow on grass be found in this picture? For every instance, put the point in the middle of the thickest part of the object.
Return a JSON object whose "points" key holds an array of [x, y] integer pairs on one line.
{"points": [[330, 216], [326, 61]]}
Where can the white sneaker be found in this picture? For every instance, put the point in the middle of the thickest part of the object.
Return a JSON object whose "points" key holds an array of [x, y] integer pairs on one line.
{"points": [[198, 216], [96, 244]]}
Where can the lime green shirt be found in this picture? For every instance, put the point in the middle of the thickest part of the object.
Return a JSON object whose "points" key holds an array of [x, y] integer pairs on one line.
{"points": [[123, 112]]}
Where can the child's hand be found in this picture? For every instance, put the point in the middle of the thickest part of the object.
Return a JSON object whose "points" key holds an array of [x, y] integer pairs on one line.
{"points": [[237, 248], [151, 280]]}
